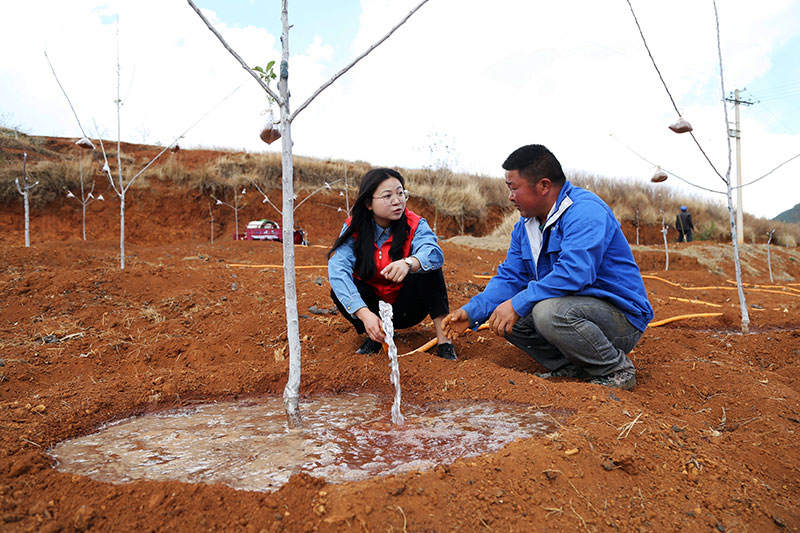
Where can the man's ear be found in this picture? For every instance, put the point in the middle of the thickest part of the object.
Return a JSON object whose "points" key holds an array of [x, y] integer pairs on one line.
{"points": [[544, 185]]}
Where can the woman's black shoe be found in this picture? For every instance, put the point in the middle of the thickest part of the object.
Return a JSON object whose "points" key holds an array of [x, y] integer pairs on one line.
{"points": [[369, 346], [446, 351]]}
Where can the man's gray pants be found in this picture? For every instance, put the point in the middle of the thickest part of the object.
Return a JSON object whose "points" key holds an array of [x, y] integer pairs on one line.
{"points": [[586, 332]]}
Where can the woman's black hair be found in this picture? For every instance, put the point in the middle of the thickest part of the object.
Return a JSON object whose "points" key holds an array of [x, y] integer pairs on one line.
{"points": [[362, 225]]}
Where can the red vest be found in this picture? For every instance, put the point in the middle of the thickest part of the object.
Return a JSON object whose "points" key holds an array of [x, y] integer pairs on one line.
{"points": [[387, 290]]}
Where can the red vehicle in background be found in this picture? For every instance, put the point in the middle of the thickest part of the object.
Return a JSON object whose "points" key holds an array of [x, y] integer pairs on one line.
{"points": [[269, 230]]}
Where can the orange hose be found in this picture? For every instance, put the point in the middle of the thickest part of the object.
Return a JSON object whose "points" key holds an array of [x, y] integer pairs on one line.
{"points": [[659, 279], [431, 343], [681, 317], [275, 266], [694, 301]]}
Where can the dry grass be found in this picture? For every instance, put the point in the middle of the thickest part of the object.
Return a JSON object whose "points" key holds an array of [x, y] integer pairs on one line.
{"points": [[12, 140]]}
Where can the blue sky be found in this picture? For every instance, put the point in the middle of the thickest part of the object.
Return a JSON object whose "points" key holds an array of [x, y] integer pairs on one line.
{"points": [[486, 76], [336, 21], [777, 93]]}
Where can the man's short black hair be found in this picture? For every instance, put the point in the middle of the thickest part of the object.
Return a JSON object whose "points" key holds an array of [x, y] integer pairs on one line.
{"points": [[534, 162]]}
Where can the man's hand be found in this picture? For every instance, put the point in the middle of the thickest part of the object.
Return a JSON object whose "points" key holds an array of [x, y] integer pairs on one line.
{"points": [[396, 271], [455, 323], [503, 318], [372, 323]]}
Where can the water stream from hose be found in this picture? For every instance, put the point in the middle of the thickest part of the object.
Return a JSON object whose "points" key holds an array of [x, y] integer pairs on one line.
{"points": [[394, 376]]}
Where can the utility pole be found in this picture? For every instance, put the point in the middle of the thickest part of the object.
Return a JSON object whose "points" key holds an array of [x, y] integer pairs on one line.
{"points": [[737, 134]]}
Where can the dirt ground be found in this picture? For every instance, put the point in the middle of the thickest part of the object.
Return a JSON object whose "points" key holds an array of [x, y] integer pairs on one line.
{"points": [[707, 440]]}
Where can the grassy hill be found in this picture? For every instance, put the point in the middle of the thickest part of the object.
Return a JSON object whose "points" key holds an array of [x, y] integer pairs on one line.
{"points": [[459, 204]]}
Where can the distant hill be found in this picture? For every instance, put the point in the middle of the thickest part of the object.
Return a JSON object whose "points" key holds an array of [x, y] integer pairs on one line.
{"points": [[790, 215]]}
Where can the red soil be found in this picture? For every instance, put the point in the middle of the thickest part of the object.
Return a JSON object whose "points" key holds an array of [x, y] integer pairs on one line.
{"points": [[706, 441]]}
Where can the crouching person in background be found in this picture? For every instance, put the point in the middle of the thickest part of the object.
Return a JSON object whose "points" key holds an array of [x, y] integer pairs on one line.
{"points": [[569, 292], [386, 252]]}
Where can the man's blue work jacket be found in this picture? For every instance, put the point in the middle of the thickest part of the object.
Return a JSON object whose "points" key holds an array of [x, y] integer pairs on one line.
{"points": [[584, 253]]}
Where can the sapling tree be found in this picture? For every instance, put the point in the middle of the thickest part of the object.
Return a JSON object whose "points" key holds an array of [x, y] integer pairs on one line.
{"points": [[211, 215], [122, 185], [346, 191], [681, 126], [769, 261], [235, 206], [291, 393], [441, 153], [664, 231], [24, 189], [85, 198]]}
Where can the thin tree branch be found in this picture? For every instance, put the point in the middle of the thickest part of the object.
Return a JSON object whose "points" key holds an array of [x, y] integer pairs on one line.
{"points": [[266, 198], [234, 54], [65, 94], [768, 173], [664, 83], [724, 105], [179, 137], [356, 60], [326, 186]]}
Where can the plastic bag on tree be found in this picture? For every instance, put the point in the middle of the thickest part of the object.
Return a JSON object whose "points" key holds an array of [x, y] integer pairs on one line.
{"points": [[270, 132], [85, 143], [680, 126]]}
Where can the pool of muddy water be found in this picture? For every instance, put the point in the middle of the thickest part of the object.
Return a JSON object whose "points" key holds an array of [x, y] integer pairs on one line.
{"points": [[246, 444]]}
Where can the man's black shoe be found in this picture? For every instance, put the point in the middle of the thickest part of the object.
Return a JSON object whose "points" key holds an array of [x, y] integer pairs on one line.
{"points": [[369, 346], [446, 351]]}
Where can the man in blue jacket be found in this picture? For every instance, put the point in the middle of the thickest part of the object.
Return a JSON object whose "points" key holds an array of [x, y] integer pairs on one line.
{"points": [[569, 292]]}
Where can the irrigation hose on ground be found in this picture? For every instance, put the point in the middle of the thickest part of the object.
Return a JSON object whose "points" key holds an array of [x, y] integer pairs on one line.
{"points": [[431, 343], [240, 265]]}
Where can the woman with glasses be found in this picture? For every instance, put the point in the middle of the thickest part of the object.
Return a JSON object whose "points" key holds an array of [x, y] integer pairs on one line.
{"points": [[387, 252]]}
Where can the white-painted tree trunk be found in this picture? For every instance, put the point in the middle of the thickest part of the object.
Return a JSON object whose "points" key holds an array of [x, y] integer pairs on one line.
{"points": [[346, 192], [664, 230], [24, 190], [27, 218], [83, 197], [211, 213], [769, 260], [291, 393], [236, 219], [122, 230], [737, 263]]}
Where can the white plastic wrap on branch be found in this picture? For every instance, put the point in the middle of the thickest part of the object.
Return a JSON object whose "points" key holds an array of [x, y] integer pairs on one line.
{"points": [[85, 143]]}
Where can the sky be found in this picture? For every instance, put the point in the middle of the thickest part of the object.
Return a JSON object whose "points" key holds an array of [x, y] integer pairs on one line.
{"points": [[464, 80]]}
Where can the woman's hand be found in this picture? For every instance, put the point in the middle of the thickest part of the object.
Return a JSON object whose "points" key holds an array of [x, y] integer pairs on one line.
{"points": [[372, 323], [397, 270]]}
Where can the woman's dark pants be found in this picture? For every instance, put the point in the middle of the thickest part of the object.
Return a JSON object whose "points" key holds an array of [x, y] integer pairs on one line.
{"points": [[422, 294]]}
